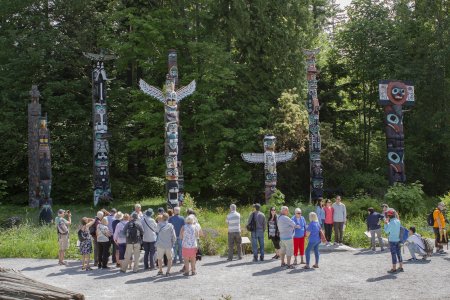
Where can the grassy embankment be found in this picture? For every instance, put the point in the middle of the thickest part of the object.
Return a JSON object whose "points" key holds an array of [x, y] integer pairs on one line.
{"points": [[35, 241]]}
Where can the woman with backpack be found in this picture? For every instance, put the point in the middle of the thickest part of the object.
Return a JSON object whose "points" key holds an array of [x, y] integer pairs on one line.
{"points": [[273, 232], [104, 244], [85, 239]]}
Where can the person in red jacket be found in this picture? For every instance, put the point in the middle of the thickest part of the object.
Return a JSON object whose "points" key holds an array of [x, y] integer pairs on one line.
{"points": [[328, 220]]}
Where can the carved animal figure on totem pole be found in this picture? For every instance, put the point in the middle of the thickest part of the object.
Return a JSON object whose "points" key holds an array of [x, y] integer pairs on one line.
{"points": [[315, 145], [170, 96], [270, 159], [394, 95], [102, 187]]}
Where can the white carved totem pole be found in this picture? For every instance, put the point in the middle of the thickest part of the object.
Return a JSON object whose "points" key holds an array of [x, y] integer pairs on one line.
{"points": [[170, 96], [270, 159]]}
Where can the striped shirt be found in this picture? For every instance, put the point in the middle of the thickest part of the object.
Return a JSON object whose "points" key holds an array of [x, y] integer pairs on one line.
{"points": [[234, 222]]}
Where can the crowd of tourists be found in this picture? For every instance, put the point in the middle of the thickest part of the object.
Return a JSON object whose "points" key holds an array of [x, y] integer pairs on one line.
{"points": [[166, 239], [169, 238]]}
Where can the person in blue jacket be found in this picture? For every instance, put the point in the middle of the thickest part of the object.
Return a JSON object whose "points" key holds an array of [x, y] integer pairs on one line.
{"points": [[392, 228]]}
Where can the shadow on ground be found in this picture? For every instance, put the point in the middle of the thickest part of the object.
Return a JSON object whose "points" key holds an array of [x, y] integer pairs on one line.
{"points": [[369, 252], [269, 271], [381, 278], [38, 268]]}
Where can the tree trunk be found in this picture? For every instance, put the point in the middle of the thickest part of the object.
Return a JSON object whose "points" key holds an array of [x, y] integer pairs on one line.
{"points": [[15, 285]]}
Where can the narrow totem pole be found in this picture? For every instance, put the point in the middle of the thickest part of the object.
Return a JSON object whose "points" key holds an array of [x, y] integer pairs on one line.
{"points": [[393, 96], [170, 96], [45, 164], [270, 159], [313, 107], [102, 187], [34, 113]]}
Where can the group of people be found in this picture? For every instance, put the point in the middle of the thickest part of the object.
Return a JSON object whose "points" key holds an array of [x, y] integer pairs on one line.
{"points": [[166, 239], [287, 234], [398, 235], [170, 238]]}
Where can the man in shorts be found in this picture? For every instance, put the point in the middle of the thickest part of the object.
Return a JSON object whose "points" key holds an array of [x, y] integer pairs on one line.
{"points": [[62, 228], [165, 242], [286, 227]]}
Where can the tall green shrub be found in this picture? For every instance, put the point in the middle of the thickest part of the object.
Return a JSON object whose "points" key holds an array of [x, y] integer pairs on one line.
{"points": [[406, 198]]}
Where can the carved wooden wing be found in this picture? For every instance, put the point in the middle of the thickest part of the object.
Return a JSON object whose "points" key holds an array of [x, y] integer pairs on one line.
{"points": [[283, 156], [152, 91], [186, 91], [99, 57], [253, 158]]}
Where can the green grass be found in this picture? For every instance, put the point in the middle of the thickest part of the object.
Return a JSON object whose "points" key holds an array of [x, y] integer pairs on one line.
{"points": [[36, 241]]}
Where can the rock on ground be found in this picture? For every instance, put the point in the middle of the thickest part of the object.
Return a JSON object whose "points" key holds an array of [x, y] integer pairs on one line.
{"points": [[358, 274]]}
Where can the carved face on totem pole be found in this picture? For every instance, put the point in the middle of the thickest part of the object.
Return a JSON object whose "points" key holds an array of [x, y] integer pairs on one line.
{"points": [[171, 95], [172, 137], [269, 143], [171, 161]]}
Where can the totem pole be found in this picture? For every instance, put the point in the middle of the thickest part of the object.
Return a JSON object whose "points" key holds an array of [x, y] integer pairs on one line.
{"points": [[102, 188], [313, 107], [34, 113], [393, 96], [170, 96], [270, 159], [45, 165]]}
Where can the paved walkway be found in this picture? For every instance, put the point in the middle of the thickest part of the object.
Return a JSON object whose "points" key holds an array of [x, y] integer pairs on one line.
{"points": [[355, 274]]}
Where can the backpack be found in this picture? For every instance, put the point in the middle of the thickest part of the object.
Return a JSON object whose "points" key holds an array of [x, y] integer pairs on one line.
{"points": [[403, 234], [62, 228], [80, 236], [132, 233], [430, 219], [122, 234], [93, 228], [429, 246], [252, 225]]}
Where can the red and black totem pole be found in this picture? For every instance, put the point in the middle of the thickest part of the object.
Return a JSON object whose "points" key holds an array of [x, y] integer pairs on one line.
{"points": [[394, 95]]}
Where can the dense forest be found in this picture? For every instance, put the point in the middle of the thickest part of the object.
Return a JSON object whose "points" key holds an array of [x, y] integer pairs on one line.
{"points": [[247, 59]]}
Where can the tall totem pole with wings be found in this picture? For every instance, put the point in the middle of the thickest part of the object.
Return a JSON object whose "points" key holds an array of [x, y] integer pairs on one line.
{"points": [[102, 187], [270, 159], [170, 96]]}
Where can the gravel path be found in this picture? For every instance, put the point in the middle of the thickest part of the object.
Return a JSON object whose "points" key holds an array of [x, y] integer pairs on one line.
{"points": [[358, 274]]}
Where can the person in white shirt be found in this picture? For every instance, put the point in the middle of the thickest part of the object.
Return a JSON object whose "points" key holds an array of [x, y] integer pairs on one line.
{"points": [[415, 244], [234, 232]]}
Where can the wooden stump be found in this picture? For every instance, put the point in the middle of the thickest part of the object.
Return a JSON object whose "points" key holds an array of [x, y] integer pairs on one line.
{"points": [[15, 285]]}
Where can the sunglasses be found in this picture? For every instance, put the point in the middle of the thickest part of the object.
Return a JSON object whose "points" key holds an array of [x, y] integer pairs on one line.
{"points": [[298, 213]]}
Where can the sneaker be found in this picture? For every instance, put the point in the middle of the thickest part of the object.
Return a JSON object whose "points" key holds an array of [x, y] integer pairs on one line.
{"points": [[400, 270], [255, 259], [295, 261], [335, 244], [392, 271], [261, 258], [328, 244], [382, 249], [229, 259]]}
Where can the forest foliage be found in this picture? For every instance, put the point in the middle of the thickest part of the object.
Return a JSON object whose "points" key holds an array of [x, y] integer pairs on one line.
{"points": [[247, 59]]}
